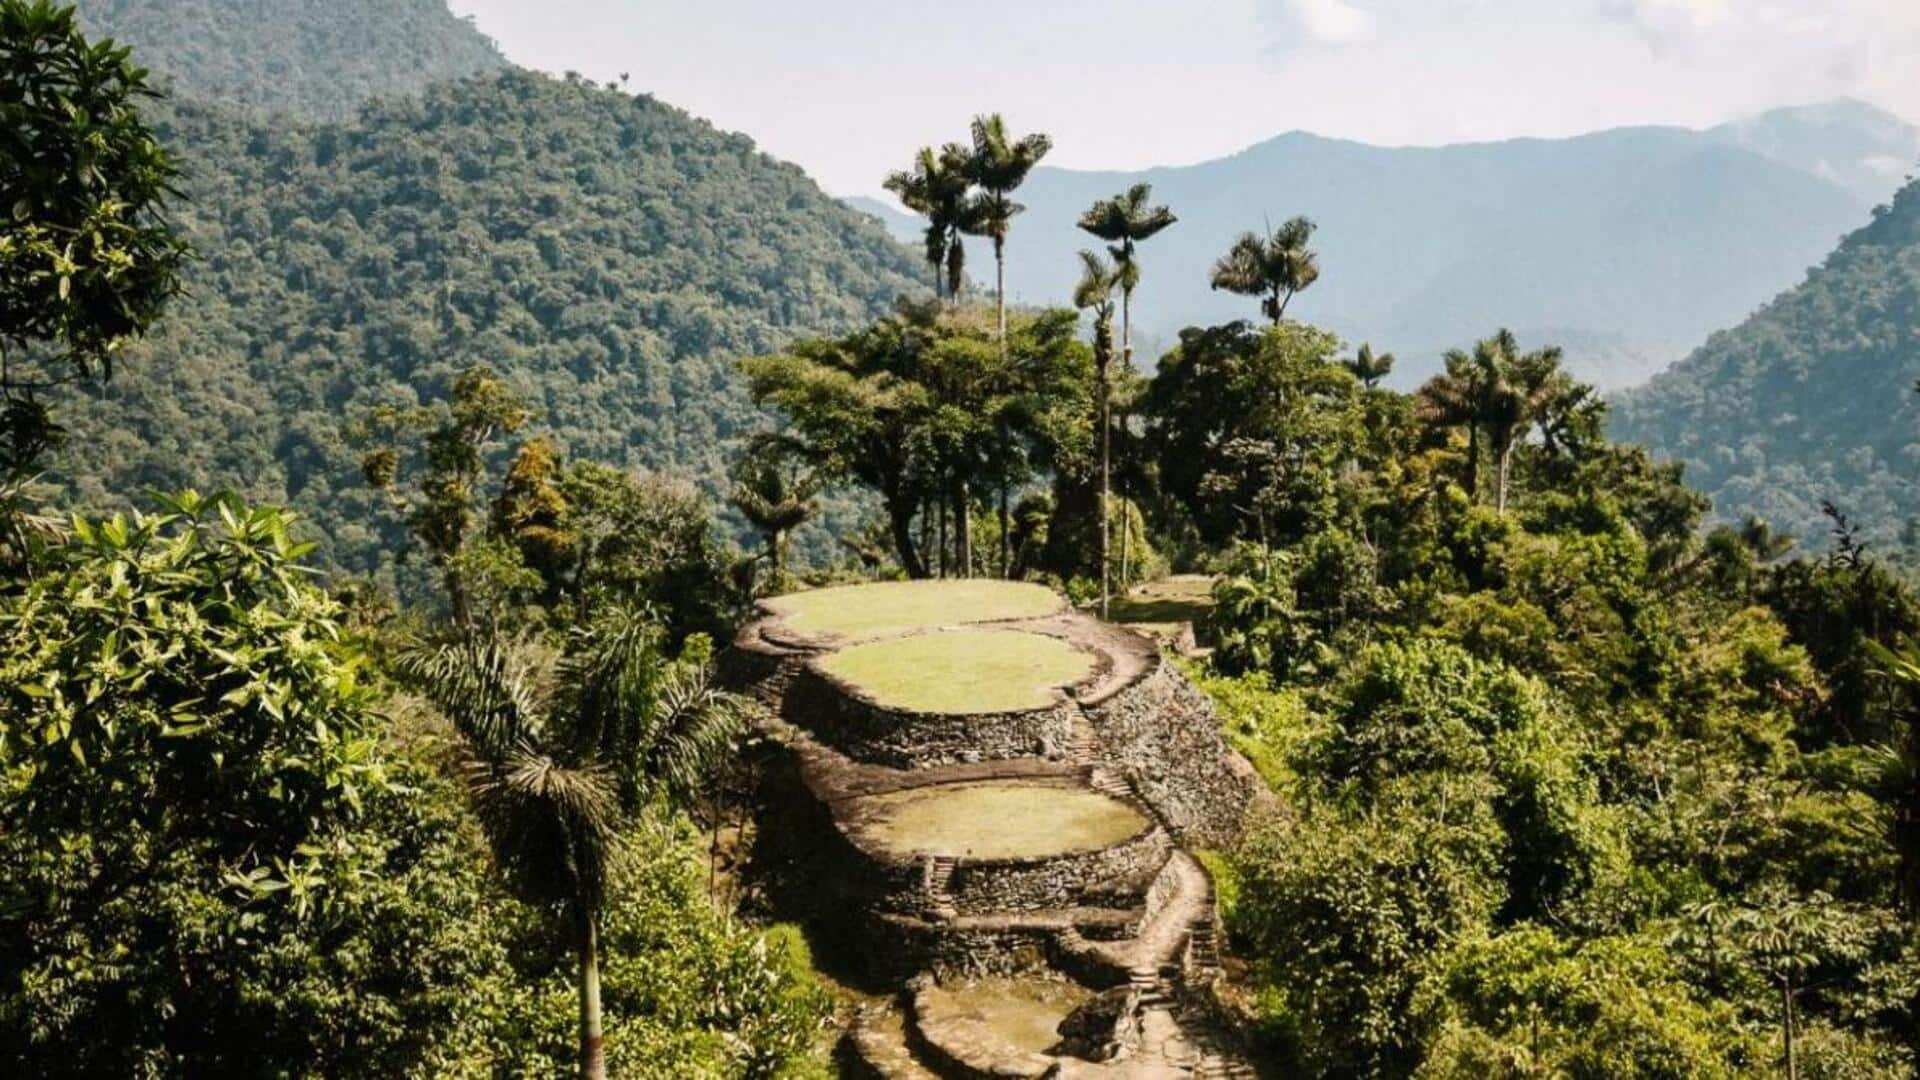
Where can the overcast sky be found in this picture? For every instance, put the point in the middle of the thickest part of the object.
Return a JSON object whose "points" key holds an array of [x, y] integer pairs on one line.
{"points": [[848, 88]]}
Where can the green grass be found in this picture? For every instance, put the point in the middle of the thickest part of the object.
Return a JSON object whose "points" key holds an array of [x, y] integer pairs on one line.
{"points": [[961, 671], [892, 607], [1167, 602], [1022, 1015], [996, 819]]}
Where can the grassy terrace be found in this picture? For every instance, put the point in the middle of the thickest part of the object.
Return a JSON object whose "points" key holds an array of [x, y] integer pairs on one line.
{"points": [[995, 819], [961, 671], [1018, 1016], [892, 607]]}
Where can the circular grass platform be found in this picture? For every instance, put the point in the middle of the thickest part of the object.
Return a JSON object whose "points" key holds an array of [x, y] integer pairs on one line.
{"points": [[851, 612], [995, 819], [960, 672], [997, 1026]]}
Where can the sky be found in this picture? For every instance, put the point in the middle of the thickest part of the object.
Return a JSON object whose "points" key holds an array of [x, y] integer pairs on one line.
{"points": [[849, 88]]}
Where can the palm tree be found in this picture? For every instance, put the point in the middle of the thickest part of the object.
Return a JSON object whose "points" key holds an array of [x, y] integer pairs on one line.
{"points": [[1459, 397], [774, 491], [560, 751], [1368, 368], [999, 164], [1123, 221], [937, 187], [1532, 385], [1094, 293], [1500, 392], [1759, 538], [1272, 267]]}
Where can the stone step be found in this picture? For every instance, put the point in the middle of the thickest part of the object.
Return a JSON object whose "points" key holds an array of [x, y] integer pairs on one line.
{"points": [[1216, 1067], [935, 874]]}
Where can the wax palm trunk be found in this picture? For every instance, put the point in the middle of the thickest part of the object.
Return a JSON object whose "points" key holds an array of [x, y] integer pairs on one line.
{"points": [[593, 1048]]}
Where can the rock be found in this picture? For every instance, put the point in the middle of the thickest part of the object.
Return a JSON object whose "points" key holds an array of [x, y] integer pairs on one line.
{"points": [[1104, 1028]]}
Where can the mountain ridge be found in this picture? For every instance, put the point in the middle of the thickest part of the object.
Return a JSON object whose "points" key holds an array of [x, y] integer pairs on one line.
{"points": [[1811, 399], [1423, 248], [608, 254], [322, 60]]}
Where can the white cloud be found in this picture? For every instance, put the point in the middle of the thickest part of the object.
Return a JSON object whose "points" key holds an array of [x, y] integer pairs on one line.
{"points": [[1132, 83], [1327, 22]]}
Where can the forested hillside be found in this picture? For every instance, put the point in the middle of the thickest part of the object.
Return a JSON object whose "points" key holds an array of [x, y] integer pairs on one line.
{"points": [[1812, 399], [609, 255], [313, 58], [1630, 245]]}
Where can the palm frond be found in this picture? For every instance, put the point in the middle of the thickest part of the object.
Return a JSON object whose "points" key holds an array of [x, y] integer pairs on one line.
{"points": [[553, 828], [489, 693]]}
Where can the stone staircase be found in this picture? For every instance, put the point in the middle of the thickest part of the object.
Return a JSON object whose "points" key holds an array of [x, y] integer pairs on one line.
{"points": [[936, 872], [1083, 746], [1220, 1067], [1203, 947], [1150, 982], [1109, 782]]}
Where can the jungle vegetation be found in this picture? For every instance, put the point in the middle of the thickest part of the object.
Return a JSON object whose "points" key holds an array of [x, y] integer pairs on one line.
{"points": [[1570, 781]]}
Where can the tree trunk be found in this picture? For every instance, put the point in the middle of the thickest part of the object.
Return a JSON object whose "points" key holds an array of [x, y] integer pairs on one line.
{"points": [[963, 530], [593, 1051], [1786, 1027], [1006, 527], [1126, 543], [1000, 285], [1473, 463], [926, 532], [775, 561], [1500, 481], [1106, 474], [944, 550], [901, 514]]}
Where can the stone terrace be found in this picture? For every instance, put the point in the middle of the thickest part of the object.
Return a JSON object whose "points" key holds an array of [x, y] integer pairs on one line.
{"points": [[1034, 839]]}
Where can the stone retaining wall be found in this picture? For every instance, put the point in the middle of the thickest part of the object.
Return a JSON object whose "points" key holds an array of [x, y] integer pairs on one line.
{"points": [[866, 731], [1056, 881], [1164, 736]]}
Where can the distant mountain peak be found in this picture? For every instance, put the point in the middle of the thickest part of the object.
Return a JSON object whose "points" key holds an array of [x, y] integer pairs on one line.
{"points": [[1854, 143], [316, 58], [1809, 400]]}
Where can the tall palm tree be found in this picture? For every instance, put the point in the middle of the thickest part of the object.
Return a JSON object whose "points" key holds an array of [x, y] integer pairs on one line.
{"points": [[776, 493], [1369, 368], [1098, 279], [1123, 221], [937, 187], [561, 750], [1458, 398], [1274, 267], [1499, 392], [1530, 386], [998, 164]]}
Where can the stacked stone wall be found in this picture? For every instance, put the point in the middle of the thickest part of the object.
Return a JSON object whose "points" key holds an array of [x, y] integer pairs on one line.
{"points": [[1164, 736], [866, 731]]}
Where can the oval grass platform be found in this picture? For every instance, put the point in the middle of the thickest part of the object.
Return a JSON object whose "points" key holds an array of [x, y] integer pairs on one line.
{"points": [[851, 612], [994, 819], [960, 672]]}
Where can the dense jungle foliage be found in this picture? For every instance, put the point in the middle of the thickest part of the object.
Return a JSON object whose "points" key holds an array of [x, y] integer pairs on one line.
{"points": [[1569, 783], [608, 255], [247, 829], [1810, 400], [295, 56], [1570, 788]]}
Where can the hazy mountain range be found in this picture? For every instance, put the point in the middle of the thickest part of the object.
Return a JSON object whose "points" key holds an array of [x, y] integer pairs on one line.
{"points": [[1812, 399], [1629, 246]]}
